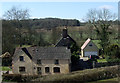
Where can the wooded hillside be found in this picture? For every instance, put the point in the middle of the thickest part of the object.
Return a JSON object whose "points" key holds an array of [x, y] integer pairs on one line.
{"points": [[45, 32], [49, 23]]}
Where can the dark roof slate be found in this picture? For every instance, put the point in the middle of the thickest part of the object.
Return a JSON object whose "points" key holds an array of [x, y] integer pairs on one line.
{"points": [[46, 52], [65, 42]]}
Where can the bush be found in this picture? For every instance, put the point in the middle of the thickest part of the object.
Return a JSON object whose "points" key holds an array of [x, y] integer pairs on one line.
{"points": [[113, 51], [84, 76], [77, 76], [114, 60], [18, 77], [12, 77]]}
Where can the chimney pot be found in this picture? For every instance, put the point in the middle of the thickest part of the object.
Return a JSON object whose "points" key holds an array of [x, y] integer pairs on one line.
{"points": [[65, 34]]}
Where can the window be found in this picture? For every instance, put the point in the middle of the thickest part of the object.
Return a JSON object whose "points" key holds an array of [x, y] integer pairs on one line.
{"points": [[21, 58], [21, 69], [56, 70], [39, 70], [38, 61], [37, 50], [56, 61], [90, 44], [47, 70]]}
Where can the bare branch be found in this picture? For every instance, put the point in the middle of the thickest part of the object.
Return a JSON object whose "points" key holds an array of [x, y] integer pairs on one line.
{"points": [[16, 14]]}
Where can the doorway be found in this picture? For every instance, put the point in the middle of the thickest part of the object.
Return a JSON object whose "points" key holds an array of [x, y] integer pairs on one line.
{"points": [[39, 70]]}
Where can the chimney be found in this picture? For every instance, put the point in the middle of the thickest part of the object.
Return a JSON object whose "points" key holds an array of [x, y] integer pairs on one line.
{"points": [[65, 33]]}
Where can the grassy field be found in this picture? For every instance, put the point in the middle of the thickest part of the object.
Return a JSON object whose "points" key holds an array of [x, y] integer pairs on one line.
{"points": [[101, 60], [4, 68], [112, 80], [25, 46]]}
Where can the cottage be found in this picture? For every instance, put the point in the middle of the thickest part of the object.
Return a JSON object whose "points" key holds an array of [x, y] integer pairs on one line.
{"points": [[41, 60], [89, 48], [66, 40]]}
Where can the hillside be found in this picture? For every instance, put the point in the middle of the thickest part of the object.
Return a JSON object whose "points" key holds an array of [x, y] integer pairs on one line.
{"points": [[49, 23], [46, 32]]}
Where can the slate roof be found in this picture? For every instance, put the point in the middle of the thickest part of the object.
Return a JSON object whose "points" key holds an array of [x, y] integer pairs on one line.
{"points": [[65, 41], [46, 52]]}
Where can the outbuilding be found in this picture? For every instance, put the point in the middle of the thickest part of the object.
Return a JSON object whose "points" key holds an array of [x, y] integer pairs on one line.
{"points": [[89, 49]]}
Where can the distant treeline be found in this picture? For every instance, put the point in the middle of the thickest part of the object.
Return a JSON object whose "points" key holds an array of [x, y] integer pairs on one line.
{"points": [[46, 23], [50, 23]]}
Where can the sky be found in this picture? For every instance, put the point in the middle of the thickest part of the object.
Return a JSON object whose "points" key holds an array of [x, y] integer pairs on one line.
{"points": [[63, 10]]}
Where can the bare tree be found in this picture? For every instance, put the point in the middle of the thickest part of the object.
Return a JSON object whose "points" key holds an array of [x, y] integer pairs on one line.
{"points": [[101, 21], [16, 14]]}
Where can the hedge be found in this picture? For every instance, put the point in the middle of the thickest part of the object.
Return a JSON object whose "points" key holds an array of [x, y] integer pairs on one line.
{"points": [[18, 77], [84, 76], [77, 76]]}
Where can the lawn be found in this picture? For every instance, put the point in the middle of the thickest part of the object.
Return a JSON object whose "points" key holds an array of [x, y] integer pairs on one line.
{"points": [[112, 80], [5, 68], [26, 45], [101, 60]]}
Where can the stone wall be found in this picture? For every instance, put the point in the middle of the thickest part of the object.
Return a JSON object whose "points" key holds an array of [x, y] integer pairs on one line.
{"points": [[31, 66]]}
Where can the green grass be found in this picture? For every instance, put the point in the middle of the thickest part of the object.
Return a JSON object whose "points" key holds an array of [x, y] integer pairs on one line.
{"points": [[101, 60], [26, 45], [112, 80], [4, 68]]}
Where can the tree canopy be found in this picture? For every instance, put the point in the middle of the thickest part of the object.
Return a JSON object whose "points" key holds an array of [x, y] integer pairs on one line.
{"points": [[101, 21]]}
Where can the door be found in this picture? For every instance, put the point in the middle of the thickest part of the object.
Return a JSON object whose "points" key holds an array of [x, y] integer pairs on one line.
{"points": [[39, 70]]}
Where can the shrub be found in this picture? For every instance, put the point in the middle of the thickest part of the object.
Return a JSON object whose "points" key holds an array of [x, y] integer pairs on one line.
{"points": [[18, 77], [113, 60], [77, 76], [113, 51], [85, 75], [12, 77]]}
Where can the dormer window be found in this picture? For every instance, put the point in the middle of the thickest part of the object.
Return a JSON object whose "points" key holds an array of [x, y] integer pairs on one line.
{"points": [[21, 58], [56, 62], [90, 44], [37, 50], [38, 61]]}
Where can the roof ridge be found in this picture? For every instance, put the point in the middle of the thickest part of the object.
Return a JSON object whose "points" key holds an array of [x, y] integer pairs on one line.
{"points": [[85, 43]]}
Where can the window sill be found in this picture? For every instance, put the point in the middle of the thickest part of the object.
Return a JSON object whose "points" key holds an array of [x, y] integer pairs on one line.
{"points": [[57, 64], [47, 72], [56, 72], [22, 72], [22, 61]]}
